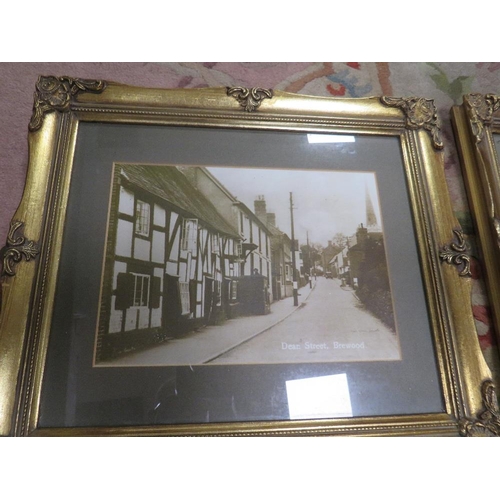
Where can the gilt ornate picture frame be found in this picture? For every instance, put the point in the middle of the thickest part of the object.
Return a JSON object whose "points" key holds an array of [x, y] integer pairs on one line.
{"points": [[233, 261], [477, 130]]}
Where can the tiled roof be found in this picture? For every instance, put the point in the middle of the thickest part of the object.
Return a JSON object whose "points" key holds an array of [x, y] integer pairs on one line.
{"points": [[171, 185], [277, 232]]}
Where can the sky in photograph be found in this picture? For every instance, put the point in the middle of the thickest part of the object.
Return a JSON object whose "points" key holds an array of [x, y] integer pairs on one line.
{"points": [[326, 202]]}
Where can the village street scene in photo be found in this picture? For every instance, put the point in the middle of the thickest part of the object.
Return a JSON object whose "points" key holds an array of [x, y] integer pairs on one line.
{"points": [[226, 265]]}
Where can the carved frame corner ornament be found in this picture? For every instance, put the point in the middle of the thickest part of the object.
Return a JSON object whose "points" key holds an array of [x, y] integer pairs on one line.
{"points": [[55, 93], [456, 253], [250, 99], [420, 113], [480, 109], [15, 249], [487, 423]]}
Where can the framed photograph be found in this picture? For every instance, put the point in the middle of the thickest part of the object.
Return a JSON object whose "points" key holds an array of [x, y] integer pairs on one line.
{"points": [[477, 130], [232, 261]]}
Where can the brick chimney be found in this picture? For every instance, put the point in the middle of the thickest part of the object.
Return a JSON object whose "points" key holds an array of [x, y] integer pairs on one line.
{"points": [[260, 206], [271, 219]]}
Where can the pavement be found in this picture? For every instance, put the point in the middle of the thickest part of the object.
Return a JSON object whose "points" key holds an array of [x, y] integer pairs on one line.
{"points": [[211, 342]]}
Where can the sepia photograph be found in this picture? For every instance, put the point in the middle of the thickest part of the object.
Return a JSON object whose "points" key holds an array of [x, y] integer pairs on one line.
{"points": [[228, 265]]}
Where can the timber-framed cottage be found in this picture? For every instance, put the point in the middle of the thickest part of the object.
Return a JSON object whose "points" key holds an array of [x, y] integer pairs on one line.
{"points": [[171, 261]]}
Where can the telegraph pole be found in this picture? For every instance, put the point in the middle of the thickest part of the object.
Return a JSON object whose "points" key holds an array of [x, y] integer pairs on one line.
{"points": [[295, 284]]}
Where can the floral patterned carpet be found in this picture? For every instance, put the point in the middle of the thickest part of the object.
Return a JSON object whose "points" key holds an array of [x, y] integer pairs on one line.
{"points": [[443, 82]]}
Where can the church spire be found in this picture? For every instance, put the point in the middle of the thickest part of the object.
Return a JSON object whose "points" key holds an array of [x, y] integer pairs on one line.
{"points": [[371, 218]]}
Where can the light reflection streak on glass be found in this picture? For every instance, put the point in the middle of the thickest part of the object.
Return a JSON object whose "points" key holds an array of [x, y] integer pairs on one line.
{"points": [[329, 138], [319, 397]]}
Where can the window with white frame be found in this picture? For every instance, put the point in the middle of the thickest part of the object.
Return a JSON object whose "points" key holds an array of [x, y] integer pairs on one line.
{"points": [[238, 249], [142, 218], [234, 290], [218, 293], [141, 289], [189, 235], [215, 244], [184, 292]]}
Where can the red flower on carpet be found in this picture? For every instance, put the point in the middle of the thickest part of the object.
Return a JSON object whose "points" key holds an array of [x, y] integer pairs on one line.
{"points": [[490, 66], [354, 65], [475, 269], [334, 91], [482, 313], [486, 341]]}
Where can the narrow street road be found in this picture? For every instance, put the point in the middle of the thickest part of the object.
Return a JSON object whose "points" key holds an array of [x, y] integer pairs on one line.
{"points": [[331, 325]]}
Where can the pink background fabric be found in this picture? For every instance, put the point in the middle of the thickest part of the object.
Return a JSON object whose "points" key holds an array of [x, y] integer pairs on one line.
{"points": [[446, 83]]}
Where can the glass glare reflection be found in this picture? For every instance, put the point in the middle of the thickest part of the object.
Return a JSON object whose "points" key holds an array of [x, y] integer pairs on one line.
{"points": [[319, 397], [328, 138]]}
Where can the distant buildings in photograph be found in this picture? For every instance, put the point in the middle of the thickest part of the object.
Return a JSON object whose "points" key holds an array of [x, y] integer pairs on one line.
{"points": [[359, 261]]}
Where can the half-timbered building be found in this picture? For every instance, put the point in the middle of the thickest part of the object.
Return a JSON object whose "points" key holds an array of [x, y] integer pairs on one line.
{"points": [[171, 260], [254, 232]]}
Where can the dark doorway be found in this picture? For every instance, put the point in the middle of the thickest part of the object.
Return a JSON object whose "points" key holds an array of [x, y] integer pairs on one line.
{"points": [[171, 306]]}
